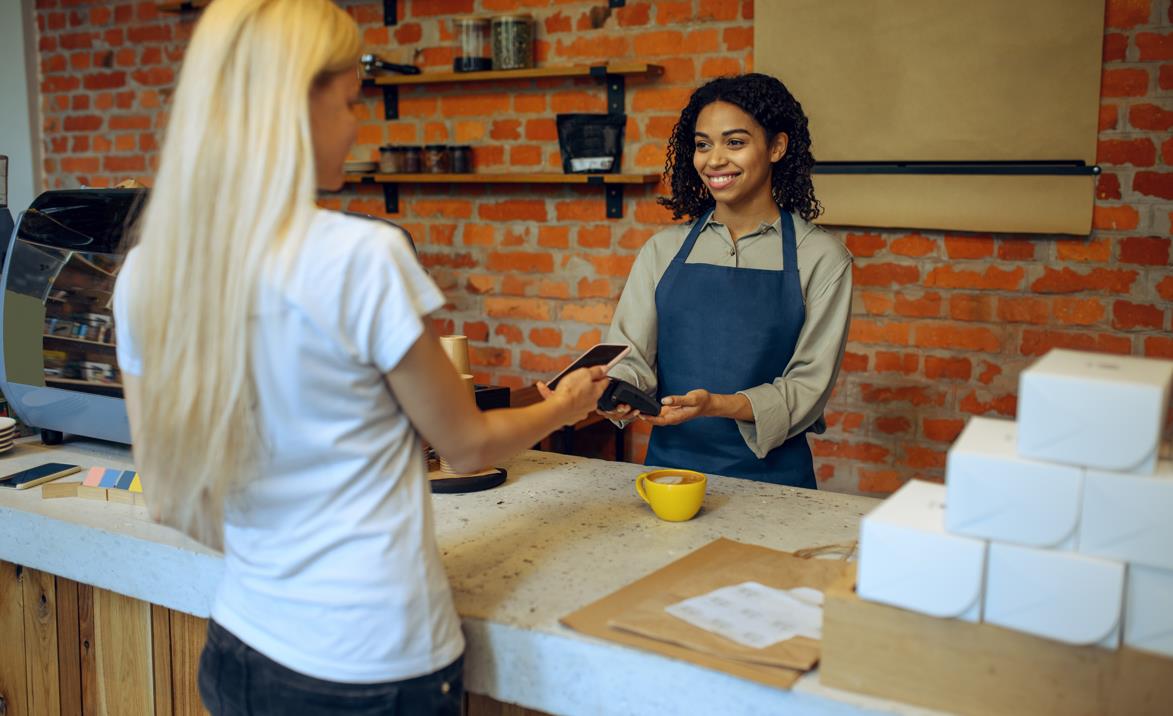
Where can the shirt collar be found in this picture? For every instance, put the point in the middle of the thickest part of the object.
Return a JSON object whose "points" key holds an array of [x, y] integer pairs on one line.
{"points": [[764, 227]]}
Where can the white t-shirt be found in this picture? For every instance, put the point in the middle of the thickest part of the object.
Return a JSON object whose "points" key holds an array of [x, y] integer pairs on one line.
{"points": [[331, 564]]}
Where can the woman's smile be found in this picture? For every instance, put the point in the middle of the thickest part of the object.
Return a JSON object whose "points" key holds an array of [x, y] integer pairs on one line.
{"points": [[720, 180]]}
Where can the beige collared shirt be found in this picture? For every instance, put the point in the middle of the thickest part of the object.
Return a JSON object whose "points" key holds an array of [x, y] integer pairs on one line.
{"points": [[794, 401]]}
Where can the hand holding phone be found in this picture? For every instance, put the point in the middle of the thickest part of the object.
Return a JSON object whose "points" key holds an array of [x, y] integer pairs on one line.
{"points": [[604, 354], [36, 475]]}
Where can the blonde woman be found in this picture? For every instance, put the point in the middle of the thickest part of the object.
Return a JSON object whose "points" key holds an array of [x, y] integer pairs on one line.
{"points": [[278, 363]]}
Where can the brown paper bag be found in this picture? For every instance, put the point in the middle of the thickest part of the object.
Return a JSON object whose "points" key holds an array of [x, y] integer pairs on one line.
{"points": [[634, 615]]}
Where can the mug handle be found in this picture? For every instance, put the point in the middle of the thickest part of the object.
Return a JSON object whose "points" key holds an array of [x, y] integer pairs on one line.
{"points": [[639, 488]]}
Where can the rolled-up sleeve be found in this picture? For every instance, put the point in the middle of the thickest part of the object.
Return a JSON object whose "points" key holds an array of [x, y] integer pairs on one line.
{"points": [[634, 324], [795, 400]]}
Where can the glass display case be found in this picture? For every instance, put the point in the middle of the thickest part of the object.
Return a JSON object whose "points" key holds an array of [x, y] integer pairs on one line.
{"points": [[58, 363]]}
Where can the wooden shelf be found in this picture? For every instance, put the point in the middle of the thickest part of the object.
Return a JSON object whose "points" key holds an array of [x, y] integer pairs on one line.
{"points": [[91, 265], [75, 381], [182, 7], [613, 184], [618, 68], [78, 340], [513, 178]]}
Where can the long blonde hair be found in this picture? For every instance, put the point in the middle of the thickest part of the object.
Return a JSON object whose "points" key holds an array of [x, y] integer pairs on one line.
{"points": [[234, 191]]}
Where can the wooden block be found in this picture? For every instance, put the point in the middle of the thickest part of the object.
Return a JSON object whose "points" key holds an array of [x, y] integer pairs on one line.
{"points": [[139, 499], [53, 490], [969, 668], [120, 496], [91, 493]]}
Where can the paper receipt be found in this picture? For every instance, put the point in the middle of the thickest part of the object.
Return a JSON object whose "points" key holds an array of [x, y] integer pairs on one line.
{"points": [[753, 614]]}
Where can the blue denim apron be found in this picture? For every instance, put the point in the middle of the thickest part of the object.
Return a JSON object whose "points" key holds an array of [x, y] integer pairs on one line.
{"points": [[727, 329]]}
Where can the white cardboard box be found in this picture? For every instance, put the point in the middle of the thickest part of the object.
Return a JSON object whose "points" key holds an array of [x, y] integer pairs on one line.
{"points": [[1129, 517], [1093, 409], [1148, 609], [1064, 596], [908, 560], [995, 494]]}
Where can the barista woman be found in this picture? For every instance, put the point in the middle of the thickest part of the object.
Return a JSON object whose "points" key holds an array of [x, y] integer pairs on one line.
{"points": [[280, 365], [737, 319]]}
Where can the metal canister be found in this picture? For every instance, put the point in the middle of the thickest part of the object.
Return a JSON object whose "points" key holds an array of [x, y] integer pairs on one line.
{"points": [[437, 159], [411, 160], [391, 159], [461, 159], [513, 42]]}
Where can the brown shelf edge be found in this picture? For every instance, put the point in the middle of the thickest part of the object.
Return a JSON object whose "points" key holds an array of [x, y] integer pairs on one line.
{"points": [[543, 178], [535, 73], [76, 381], [182, 7], [75, 339]]}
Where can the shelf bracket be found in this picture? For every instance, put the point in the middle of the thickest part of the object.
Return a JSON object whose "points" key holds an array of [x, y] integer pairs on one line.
{"points": [[391, 12], [616, 100], [614, 201], [390, 102], [391, 198]]}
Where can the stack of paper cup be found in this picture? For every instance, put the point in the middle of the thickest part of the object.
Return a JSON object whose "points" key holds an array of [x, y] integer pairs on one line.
{"points": [[468, 383], [457, 349]]}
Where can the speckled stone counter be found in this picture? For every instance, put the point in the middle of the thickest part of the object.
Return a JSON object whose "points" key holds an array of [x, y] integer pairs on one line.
{"points": [[559, 534]]}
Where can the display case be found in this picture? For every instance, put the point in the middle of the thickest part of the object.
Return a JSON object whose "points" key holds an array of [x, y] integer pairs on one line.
{"points": [[58, 365]]}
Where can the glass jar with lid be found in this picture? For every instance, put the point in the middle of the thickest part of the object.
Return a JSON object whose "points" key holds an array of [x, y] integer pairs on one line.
{"points": [[461, 159], [474, 56], [437, 159], [513, 42]]}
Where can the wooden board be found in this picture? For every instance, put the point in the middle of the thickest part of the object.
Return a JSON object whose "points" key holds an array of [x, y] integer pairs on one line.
{"points": [[89, 658], [68, 647], [161, 655], [981, 669], [13, 691], [40, 642], [480, 705], [427, 78], [122, 641], [188, 635], [54, 490]]}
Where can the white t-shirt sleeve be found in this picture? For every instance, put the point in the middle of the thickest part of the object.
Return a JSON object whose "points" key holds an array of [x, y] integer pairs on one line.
{"points": [[130, 359], [386, 296]]}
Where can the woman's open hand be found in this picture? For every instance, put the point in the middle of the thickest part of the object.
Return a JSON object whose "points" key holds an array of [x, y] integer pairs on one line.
{"points": [[676, 409]]}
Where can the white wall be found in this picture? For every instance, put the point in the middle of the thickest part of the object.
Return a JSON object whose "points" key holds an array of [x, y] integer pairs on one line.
{"points": [[19, 98]]}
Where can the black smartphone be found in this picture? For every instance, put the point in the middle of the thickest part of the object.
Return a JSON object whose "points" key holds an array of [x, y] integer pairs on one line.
{"points": [[604, 354], [36, 475]]}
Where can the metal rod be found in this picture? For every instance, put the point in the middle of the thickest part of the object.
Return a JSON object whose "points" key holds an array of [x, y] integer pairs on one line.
{"points": [[993, 168]]}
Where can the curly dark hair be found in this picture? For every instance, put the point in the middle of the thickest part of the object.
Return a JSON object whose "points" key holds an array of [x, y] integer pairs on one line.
{"points": [[768, 101]]}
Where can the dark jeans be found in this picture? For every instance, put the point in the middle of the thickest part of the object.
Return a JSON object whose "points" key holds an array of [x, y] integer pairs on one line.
{"points": [[236, 679]]}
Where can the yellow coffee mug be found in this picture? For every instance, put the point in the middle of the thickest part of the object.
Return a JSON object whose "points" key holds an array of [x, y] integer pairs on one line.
{"points": [[675, 495]]}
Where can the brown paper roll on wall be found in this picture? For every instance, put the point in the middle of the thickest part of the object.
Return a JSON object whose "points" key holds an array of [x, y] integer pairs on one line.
{"points": [[457, 349]]}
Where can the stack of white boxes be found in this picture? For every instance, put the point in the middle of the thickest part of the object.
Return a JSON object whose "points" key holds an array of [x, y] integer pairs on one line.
{"points": [[1059, 525]]}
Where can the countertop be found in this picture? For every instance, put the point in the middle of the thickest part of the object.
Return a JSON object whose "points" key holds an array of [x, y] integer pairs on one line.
{"points": [[560, 533]]}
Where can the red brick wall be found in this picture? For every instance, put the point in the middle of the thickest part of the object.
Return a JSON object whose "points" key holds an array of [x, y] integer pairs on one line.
{"points": [[943, 323]]}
